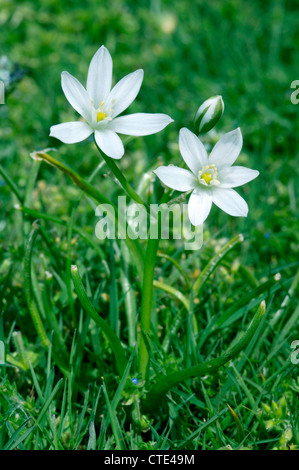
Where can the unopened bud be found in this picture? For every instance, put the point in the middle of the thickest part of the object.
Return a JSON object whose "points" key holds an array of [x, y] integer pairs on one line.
{"points": [[208, 114]]}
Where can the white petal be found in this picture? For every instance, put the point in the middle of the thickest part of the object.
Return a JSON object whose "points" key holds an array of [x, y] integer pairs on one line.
{"points": [[140, 123], [99, 76], [76, 95], [227, 149], [110, 143], [176, 178], [71, 132], [199, 206], [235, 176], [230, 202], [124, 92], [208, 114], [192, 150]]}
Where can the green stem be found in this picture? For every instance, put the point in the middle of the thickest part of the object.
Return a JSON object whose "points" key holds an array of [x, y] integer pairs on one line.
{"points": [[164, 384], [129, 295], [147, 296], [122, 179], [114, 341]]}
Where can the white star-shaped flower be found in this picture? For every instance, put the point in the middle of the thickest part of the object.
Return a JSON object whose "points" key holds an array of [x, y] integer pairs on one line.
{"points": [[100, 105], [211, 178]]}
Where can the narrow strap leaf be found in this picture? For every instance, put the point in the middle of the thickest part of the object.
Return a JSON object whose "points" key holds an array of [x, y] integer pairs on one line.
{"points": [[114, 341]]}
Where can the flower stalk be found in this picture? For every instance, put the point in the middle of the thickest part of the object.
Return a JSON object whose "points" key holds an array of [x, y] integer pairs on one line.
{"points": [[147, 296], [122, 179]]}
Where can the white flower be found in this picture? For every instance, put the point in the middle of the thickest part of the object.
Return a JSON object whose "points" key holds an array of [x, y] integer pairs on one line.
{"points": [[100, 105], [211, 178]]}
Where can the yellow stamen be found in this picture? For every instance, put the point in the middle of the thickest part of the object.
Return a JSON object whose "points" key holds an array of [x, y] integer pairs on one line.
{"points": [[101, 116], [207, 177]]}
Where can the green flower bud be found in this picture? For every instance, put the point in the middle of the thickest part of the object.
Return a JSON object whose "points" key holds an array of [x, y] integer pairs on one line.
{"points": [[274, 406], [283, 406], [208, 114], [266, 407]]}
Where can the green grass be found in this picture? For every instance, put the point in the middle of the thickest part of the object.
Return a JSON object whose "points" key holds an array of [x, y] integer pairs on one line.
{"points": [[64, 383]]}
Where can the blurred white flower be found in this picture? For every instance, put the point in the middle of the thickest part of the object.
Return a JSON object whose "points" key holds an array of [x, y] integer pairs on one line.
{"points": [[211, 178], [100, 105]]}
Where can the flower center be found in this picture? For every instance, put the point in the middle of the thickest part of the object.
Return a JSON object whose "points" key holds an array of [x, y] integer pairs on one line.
{"points": [[102, 113], [208, 175]]}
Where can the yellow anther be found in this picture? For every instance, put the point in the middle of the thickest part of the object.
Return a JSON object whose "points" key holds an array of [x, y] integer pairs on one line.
{"points": [[101, 115], [207, 177]]}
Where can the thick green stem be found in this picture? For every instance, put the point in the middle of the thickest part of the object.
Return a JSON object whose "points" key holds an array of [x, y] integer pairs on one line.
{"points": [[165, 383], [129, 296], [147, 294]]}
